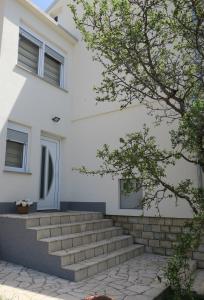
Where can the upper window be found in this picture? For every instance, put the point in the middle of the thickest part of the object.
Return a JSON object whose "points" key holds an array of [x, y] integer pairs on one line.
{"points": [[38, 58], [52, 66], [28, 54], [16, 148]]}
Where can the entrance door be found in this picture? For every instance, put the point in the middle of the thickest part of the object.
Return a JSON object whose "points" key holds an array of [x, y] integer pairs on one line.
{"points": [[49, 174]]}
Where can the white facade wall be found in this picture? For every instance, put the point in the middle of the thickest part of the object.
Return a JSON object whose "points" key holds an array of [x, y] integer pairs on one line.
{"points": [[84, 126], [1, 20], [93, 125], [28, 100]]}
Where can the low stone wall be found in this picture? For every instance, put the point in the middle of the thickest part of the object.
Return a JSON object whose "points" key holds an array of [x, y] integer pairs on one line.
{"points": [[158, 235]]}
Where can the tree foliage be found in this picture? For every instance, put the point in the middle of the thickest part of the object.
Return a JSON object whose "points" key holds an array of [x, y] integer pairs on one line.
{"points": [[178, 271]]}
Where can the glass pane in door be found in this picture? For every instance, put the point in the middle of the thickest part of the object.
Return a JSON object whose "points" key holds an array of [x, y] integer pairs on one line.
{"points": [[50, 173], [42, 175]]}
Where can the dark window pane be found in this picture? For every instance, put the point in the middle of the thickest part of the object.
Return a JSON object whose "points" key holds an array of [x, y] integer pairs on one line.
{"points": [[14, 154], [50, 173], [52, 70], [42, 175], [28, 54]]}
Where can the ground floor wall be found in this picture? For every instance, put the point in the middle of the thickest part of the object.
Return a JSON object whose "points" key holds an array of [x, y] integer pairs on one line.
{"points": [[16, 186], [90, 133], [158, 235]]}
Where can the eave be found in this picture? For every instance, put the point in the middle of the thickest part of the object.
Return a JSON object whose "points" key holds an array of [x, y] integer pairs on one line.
{"points": [[44, 17]]}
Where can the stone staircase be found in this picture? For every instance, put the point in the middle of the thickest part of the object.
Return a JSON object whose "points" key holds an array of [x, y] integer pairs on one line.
{"points": [[71, 245]]}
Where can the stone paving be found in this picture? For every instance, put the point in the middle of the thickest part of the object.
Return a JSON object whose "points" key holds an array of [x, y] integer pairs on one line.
{"points": [[198, 285], [136, 279]]}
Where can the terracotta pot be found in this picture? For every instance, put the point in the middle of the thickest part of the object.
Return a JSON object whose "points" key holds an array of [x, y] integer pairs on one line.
{"points": [[98, 298], [23, 210]]}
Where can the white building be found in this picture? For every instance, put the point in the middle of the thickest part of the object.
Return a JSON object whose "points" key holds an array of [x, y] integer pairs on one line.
{"points": [[49, 120]]}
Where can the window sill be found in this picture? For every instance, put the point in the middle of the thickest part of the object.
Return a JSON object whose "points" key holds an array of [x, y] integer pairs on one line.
{"points": [[18, 66], [17, 172]]}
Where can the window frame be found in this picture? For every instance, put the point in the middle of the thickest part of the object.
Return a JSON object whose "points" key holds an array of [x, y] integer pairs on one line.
{"points": [[61, 79], [24, 168], [136, 209], [41, 57]]}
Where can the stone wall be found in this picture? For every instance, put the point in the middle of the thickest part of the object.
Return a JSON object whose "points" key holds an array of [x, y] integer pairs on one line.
{"points": [[157, 234]]}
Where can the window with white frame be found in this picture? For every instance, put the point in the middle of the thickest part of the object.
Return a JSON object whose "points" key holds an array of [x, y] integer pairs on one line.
{"points": [[16, 157], [37, 57], [132, 199]]}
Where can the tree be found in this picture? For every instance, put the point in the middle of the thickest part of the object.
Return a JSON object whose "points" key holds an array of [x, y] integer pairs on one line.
{"points": [[152, 52]]}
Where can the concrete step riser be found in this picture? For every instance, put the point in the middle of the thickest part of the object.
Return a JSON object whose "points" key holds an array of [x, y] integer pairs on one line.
{"points": [[94, 252], [63, 219], [73, 228], [86, 238], [102, 266]]}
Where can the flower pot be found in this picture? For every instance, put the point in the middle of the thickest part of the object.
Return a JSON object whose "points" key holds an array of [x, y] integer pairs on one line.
{"points": [[23, 210], [98, 298]]}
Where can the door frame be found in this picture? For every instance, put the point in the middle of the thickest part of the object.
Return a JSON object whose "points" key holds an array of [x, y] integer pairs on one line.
{"points": [[57, 191]]}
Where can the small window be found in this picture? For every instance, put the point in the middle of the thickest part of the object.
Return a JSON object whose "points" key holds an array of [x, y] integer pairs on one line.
{"points": [[14, 154], [28, 55], [28, 51], [132, 200], [53, 65], [16, 150], [52, 70], [37, 57]]}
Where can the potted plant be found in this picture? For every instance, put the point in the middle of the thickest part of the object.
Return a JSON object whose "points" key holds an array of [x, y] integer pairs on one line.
{"points": [[96, 297], [22, 206]]}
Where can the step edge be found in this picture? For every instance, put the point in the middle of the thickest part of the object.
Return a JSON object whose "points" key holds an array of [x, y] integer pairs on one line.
{"points": [[53, 226], [74, 235], [92, 245], [107, 257]]}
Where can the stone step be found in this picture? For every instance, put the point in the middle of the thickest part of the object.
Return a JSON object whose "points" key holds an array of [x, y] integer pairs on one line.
{"points": [[44, 219], [103, 262], [201, 248], [192, 265], [198, 284], [70, 228], [78, 239], [75, 255]]}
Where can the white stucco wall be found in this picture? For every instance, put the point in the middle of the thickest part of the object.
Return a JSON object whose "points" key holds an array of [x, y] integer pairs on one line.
{"points": [[93, 125], [30, 101], [1, 20]]}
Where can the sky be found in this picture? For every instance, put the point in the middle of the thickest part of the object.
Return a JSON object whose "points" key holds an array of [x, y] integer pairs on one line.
{"points": [[43, 4]]}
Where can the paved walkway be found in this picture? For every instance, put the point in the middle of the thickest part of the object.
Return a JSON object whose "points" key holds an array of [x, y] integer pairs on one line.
{"points": [[137, 279]]}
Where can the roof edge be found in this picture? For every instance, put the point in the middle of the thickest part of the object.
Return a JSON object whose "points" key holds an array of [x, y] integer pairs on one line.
{"points": [[51, 5], [49, 20]]}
